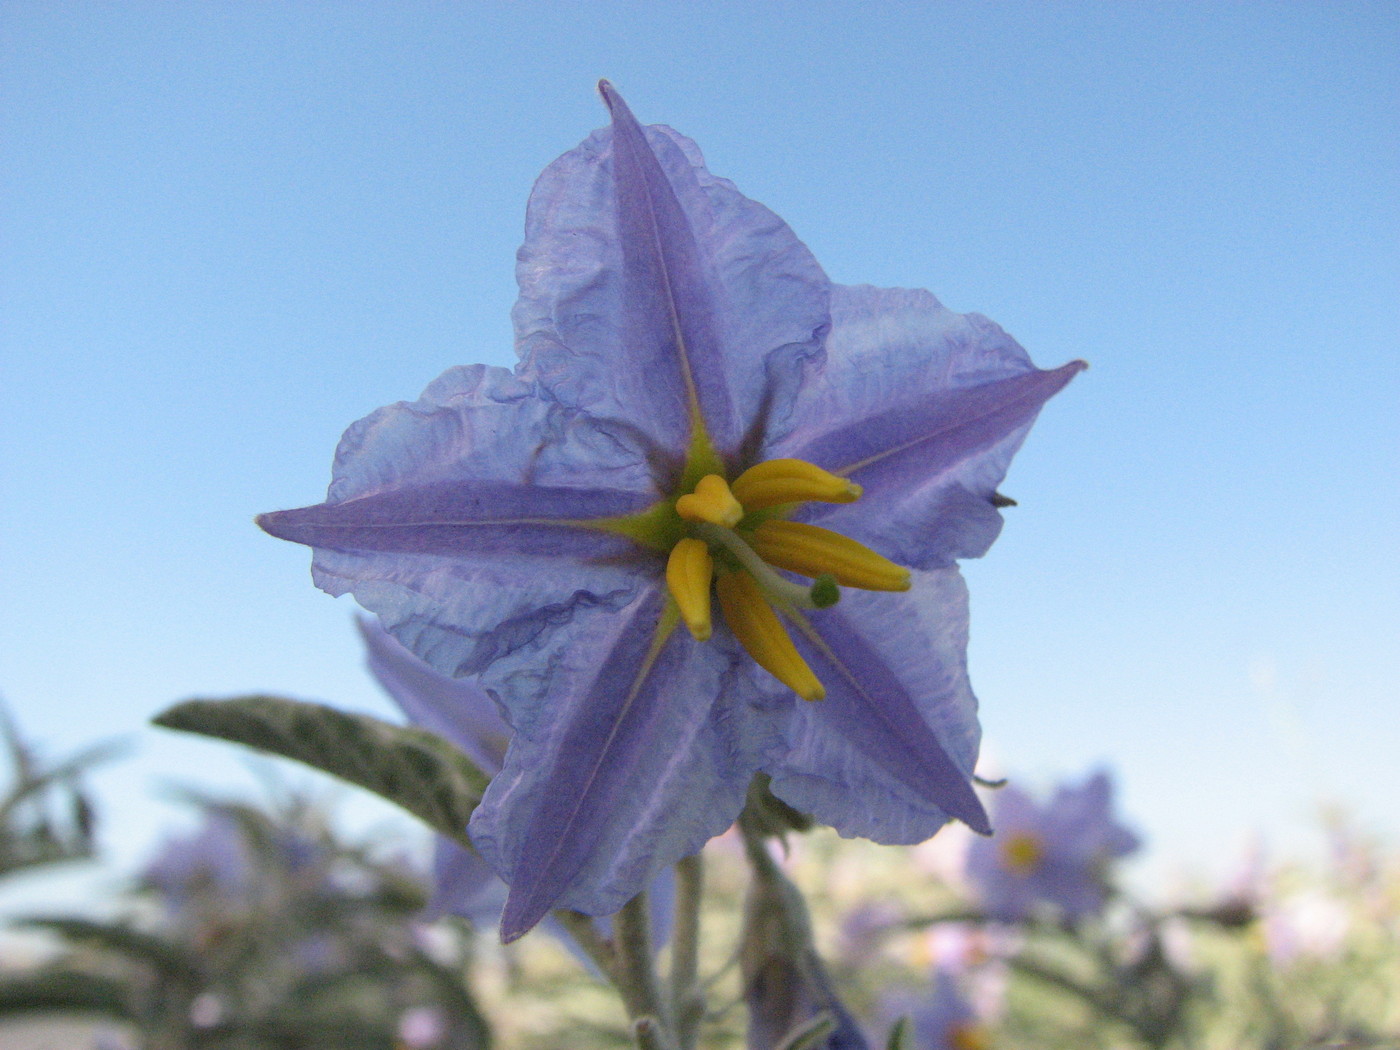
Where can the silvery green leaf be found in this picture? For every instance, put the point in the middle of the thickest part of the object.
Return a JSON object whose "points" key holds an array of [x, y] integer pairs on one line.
{"points": [[416, 770], [63, 991]]}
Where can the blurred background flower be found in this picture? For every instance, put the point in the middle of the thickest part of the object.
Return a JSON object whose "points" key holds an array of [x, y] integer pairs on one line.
{"points": [[1057, 855]]}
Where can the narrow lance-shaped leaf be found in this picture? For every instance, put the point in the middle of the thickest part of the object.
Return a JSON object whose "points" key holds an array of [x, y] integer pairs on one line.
{"points": [[34, 781], [61, 991], [811, 1034], [416, 770], [166, 956], [900, 1039]]}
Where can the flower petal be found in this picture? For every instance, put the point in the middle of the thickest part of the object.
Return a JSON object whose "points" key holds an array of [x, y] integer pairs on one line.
{"points": [[457, 709], [889, 753], [465, 885], [467, 519], [1084, 824], [648, 286], [428, 496], [640, 758], [924, 408]]}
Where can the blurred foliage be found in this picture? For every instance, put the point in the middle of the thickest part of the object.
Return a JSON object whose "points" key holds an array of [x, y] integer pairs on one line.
{"points": [[263, 931], [45, 815], [1298, 957], [1264, 966], [326, 952]]}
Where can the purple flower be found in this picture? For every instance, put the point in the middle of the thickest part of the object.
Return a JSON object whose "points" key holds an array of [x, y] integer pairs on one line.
{"points": [[697, 413], [1057, 855], [213, 863], [943, 1020]]}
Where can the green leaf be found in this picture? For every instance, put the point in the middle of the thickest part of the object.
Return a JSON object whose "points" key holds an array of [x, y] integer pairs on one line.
{"points": [[165, 956], [810, 1034], [417, 770], [64, 991], [899, 1036]]}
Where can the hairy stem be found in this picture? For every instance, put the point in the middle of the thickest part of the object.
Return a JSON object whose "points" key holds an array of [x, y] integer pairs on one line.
{"points": [[687, 992], [593, 944], [635, 977]]}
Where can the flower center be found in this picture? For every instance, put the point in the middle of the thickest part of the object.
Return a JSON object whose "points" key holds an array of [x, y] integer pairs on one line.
{"points": [[968, 1035], [737, 538], [1023, 852]]}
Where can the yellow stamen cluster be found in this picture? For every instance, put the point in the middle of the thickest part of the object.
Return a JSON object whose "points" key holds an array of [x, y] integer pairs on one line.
{"points": [[1022, 852], [739, 554]]}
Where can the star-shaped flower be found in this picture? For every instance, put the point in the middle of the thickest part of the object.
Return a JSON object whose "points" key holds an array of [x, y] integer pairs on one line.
{"points": [[699, 417], [1057, 855]]}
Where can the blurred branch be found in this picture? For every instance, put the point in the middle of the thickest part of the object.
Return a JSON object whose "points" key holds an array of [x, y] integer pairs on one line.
{"points": [[31, 833]]}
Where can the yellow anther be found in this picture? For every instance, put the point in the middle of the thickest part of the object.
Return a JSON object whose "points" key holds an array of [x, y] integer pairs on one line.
{"points": [[811, 551], [711, 501], [776, 481], [968, 1035], [1022, 852], [763, 635], [688, 573]]}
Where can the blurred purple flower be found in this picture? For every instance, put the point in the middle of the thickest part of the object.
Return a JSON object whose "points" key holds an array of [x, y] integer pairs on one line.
{"points": [[212, 863], [548, 530], [864, 930], [1057, 855], [942, 1020], [422, 1026]]}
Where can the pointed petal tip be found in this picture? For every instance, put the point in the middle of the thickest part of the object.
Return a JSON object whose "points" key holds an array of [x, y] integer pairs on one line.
{"points": [[618, 109], [1059, 378], [280, 524], [966, 806], [975, 816], [521, 915], [268, 522]]}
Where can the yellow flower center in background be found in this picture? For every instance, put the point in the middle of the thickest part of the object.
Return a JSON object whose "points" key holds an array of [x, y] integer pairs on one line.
{"points": [[969, 1036], [737, 537], [1022, 852]]}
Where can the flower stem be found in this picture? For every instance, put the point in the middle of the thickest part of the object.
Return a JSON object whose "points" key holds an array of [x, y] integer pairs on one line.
{"points": [[635, 975], [648, 1034], [687, 992], [590, 941], [786, 987]]}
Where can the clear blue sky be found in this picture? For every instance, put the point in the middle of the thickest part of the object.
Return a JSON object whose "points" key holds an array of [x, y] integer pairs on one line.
{"points": [[228, 230]]}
